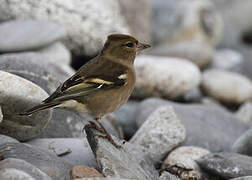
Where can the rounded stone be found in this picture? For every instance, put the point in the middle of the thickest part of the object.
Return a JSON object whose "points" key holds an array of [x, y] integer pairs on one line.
{"points": [[86, 30], [164, 77], [17, 95], [243, 144], [12, 168], [186, 156], [23, 35], [227, 87], [7, 139], [84, 171]]}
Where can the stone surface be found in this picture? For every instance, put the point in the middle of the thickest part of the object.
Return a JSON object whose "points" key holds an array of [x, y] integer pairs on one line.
{"points": [[86, 30], [130, 10], [186, 157], [56, 53], [22, 35], [227, 87], [7, 139], [104, 178], [13, 101], [84, 171], [34, 67], [126, 162], [164, 77], [167, 176], [12, 168], [126, 117], [244, 113], [227, 165], [176, 21], [1, 115], [243, 144], [75, 151], [200, 122], [198, 53], [160, 133], [228, 59], [243, 178], [44, 160]]}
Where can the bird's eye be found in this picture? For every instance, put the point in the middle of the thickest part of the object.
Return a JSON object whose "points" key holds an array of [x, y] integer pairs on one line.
{"points": [[129, 45]]}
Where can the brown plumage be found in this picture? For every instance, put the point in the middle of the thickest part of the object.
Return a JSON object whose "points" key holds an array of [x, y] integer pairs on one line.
{"points": [[100, 86]]}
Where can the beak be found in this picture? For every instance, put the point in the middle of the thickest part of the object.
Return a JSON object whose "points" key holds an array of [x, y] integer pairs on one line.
{"points": [[142, 46]]}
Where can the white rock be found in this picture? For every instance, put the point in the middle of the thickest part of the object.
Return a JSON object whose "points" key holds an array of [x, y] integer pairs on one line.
{"points": [[160, 133], [86, 22], [165, 77], [227, 87], [17, 95], [186, 156], [245, 113]]}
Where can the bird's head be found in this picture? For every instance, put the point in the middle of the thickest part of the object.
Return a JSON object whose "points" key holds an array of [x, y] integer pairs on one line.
{"points": [[123, 47]]}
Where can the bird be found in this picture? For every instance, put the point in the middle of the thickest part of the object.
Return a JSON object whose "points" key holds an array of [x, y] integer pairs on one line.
{"points": [[100, 86]]}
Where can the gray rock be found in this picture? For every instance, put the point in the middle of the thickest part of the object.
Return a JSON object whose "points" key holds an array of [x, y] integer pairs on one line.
{"points": [[126, 162], [1, 115], [67, 124], [22, 35], [182, 77], [176, 21], [130, 10], [227, 87], [160, 133], [103, 178], [7, 139], [86, 30], [243, 145], [186, 157], [56, 53], [11, 168], [228, 59], [167, 176], [209, 127], [34, 67], [127, 118], [227, 165], [72, 150], [17, 95], [44, 160], [198, 53], [244, 113]]}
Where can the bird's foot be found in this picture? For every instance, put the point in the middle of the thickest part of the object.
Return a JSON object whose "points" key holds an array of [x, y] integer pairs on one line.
{"points": [[94, 126]]}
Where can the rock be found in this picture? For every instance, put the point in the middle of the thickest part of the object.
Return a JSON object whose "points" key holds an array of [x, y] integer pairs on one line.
{"points": [[73, 150], [128, 162], [56, 53], [130, 10], [12, 168], [227, 165], [177, 21], [127, 118], [186, 157], [14, 101], [34, 67], [67, 124], [243, 144], [44, 160], [194, 95], [228, 59], [160, 133], [6, 139], [23, 35], [1, 115], [164, 77], [167, 176], [227, 87], [198, 53], [243, 178], [103, 178], [244, 113], [86, 30], [84, 171], [200, 122]]}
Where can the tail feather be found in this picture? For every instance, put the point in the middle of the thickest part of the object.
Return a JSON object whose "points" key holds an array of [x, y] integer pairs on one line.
{"points": [[38, 108]]}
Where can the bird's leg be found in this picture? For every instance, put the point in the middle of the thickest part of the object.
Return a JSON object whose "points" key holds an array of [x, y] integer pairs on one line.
{"points": [[94, 126], [107, 135]]}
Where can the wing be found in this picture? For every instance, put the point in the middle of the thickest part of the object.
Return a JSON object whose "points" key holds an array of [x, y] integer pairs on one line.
{"points": [[104, 75]]}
